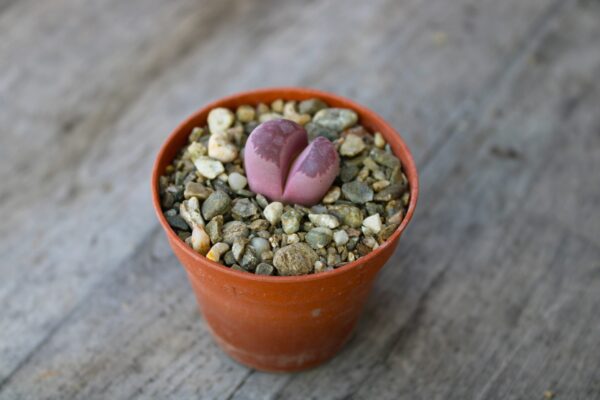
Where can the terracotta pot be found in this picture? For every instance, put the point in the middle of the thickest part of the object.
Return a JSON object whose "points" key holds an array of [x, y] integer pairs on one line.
{"points": [[277, 323]]}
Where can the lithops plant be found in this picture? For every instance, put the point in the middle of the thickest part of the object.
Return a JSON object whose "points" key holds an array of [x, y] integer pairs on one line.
{"points": [[281, 165]]}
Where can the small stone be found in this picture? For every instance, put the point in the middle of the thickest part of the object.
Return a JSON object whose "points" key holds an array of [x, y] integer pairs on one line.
{"points": [[250, 126], [264, 269], [273, 212], [363, 249], [190, 212], [208, 167], [324, 220], [348, 172], [171, 212], [311, 106], [316, 130], [295, 259], [262, 108], [222, 148], [277, 106], [237, 181], [215, 252], [352, 146], [249, 259], [357, 192], [405, 199], [320, 266], [214, 228], [349, 215], [238, 247], [219, 119], [267, 255], [290, 221], [194, 151], [269, 117], [292, 238], [351, 256], [391, 192], [233, 230], [371, 242], [337, 119], [245, 113], [228, 258], [177, 222], [262, 201], [386, 232], [332, 195], [196, 134], [380, 185], [260, 245], [340, 237], [243, 209], [374, 208], [218, 203], [372, 224], [379, 141], [259, 225], [396, 218], [384, 158], [199, 240], [319, 209], [318, 238], [195, 189]]}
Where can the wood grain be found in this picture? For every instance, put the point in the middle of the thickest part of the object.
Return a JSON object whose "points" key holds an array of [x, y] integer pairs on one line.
{"points": [[494, 290]]}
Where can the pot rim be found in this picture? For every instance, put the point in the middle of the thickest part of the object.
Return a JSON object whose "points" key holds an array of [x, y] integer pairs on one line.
{"points": [[408, 166]]}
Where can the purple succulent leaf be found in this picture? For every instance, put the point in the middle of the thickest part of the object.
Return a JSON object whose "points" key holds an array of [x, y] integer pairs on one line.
{"points": [[269, 152], [312, 173]]}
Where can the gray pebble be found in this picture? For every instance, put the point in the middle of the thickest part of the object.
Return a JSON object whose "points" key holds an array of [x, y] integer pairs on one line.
{"points": [[214, 229], [357, 192], [243, 209], [264, 269], [393, 191], [228, 258], [349, 215], [290, 221], [249, 259], [348, 172], [217, 203], [384, 158], [318, 238], [233, 230], [295, 259], [337, 119], [178, 223], [316, 130], [311, 106]]}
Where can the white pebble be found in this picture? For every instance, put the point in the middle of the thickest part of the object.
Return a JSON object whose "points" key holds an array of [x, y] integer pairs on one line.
{"points": [[237, 181], [273, 212], [293, 238], [324, 220], [217, 251], [220, 147], [379, 140], [219, 119], [200, 240], [372, 224], [208, 167], [190, 212], [340, 237], [260, 245]]}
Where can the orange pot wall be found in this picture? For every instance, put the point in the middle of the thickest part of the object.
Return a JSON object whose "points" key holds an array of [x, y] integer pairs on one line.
{"points": [[282, 323]]}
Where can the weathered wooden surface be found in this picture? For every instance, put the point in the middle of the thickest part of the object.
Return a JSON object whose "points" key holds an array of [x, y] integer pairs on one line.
{"points": [[494, 292]]}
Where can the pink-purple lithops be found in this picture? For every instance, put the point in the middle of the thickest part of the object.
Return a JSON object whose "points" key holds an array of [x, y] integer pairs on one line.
{"points": [[269, 152], [281, 165]]}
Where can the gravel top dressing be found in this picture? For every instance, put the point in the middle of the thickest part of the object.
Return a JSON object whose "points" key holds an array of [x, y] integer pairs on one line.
{"points": [[331, 191]]}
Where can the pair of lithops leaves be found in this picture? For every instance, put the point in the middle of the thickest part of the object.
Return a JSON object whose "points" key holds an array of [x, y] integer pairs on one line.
{"points": [[281, 164]]}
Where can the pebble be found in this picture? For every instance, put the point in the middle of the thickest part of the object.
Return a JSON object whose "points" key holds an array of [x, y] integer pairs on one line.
{"points": [[379, 141], [269, 117], [222, 148], [249, 259], [228, 258], [391, 192], [340, 237], [195, 189], [214, 228], [177, 222], [262, 108], [237, 181], [233, 230], [349, 215], [352, 146], [218, 203], [260, 245], [357, 192], [396, 218], [264, 269], [195, 150], [236, 267], [386, 232], [199, 240], [318, 238], [320, 266], [208, 167], [372, 225], [311, 106], [219, 119], [290, 221], [273, 212], [267, 255], [316, 130], [293, 238], [324, 220], [243, 209], [262, 201], [348, 172], [215, 252], [380, 185], [277, 106], [259, 225], [295, 259], [245, 113], [332, 195], [384, 158], [190, 212], [238, 247], [337, 119]]}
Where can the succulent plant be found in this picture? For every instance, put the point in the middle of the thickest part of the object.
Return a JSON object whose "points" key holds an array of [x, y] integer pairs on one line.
{"points": [[283, 166]]}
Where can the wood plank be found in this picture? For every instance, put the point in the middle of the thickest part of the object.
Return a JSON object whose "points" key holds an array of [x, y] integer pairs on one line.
{"points": [[171, 91]]}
